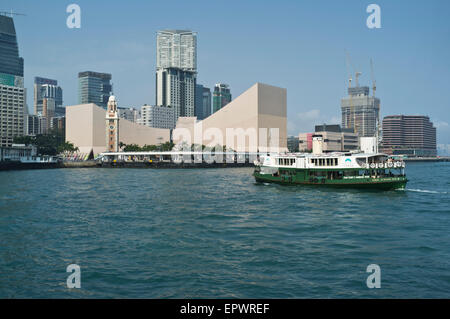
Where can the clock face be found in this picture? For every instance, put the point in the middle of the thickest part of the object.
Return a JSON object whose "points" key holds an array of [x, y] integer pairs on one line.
{"points": [[111, 127]]}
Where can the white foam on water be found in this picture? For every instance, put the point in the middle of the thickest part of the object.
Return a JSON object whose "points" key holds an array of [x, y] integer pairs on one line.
{"points": [[424, 191]]}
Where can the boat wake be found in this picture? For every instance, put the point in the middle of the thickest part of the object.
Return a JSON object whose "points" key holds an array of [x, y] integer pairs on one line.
{"points": [[424, 191]]}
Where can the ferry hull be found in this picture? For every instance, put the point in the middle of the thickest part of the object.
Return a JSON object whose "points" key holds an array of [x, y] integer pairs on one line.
{"points": [[380, 184]]}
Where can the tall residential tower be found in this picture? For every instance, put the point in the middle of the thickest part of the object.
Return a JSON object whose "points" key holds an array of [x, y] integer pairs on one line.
{"points": [[176, 71]]}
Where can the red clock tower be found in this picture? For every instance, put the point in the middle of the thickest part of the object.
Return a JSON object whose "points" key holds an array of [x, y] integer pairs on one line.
{"points": [[112, 126]]}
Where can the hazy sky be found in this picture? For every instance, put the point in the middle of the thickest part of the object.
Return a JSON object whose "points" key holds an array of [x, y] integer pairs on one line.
{"points": [[299, 45]]}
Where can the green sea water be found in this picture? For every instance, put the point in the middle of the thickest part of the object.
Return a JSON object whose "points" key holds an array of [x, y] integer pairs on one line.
{"points": [[214, 233]]}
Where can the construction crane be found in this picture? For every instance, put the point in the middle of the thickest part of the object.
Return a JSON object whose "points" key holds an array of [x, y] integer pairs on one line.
{"points": [[378, 136], [11, 13], [349, 73], [374, 82], [357, 74], [351, 117]]}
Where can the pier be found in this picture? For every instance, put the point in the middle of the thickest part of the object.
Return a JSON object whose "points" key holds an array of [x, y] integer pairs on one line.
{"points": [[177, 159], [427, 159]]}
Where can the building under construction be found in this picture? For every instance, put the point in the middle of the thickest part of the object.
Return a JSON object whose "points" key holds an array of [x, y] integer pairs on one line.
{"points": [[360, 112]]}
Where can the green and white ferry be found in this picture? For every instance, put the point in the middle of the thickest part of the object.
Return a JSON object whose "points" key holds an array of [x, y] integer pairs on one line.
{"points": [[338, 169]]}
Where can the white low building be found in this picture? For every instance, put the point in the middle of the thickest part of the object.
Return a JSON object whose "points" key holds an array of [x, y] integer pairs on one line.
{"points": [[158, 116]]}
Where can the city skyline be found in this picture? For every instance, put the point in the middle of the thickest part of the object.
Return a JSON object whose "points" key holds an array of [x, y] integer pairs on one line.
{"points": [[312, 66]]}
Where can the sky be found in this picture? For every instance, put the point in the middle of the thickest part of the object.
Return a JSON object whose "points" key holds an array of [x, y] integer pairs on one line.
{"points": [[298, 45]]}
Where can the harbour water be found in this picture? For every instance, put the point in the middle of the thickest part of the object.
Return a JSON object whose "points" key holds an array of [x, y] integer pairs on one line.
{"points": [[213, 233]]}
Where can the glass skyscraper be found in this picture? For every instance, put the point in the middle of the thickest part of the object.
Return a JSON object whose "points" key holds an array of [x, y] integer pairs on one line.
{"points": [[10, 62], [12, 92], [221, 96], [94, 87], [46, 89], [202, 102]]}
